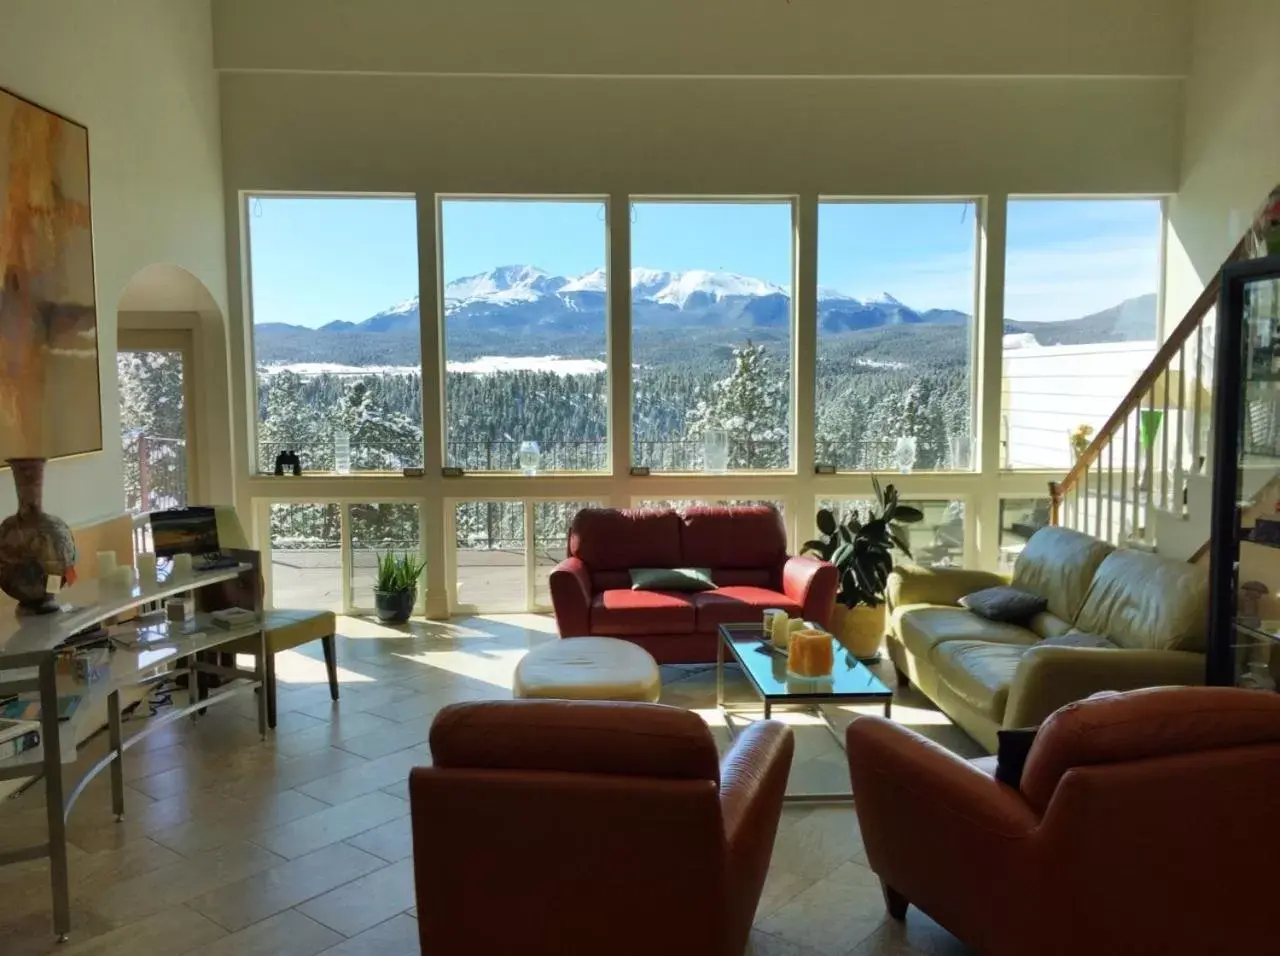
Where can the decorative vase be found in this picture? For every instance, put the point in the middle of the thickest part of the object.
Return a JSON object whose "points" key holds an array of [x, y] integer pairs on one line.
{"points": [[530, 456], [715, 450], [342, 452], [904, 454], [860, 630], [34, 546], [394, 607]]}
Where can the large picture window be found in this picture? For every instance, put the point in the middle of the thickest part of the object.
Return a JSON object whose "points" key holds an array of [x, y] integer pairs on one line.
{"points": [[711, 335], [524, 334], [336, 331], [896, 297], [935, 542], [1082, 278]]}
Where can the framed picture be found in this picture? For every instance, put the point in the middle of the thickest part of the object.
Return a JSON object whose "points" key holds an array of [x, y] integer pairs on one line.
{"points": [[50, 403]]}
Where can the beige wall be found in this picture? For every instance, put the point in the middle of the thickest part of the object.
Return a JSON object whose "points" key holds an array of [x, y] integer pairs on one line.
{"points": [[714, 98], [708, 37], [1231, 146], [139, 75]]}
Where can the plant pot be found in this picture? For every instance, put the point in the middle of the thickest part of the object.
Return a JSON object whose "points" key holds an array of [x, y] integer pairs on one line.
{"points": [[859, 629], [394, 607], [34, 546]]}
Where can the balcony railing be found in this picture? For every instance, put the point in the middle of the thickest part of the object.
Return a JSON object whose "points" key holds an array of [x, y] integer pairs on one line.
{"points": [[155, 473], [592, 454]]}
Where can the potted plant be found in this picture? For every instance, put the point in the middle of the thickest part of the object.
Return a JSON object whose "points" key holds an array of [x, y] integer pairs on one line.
{"points": [[862, 553], [396, 590]]}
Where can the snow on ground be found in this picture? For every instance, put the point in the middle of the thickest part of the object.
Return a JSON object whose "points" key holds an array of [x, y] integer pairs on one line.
{"points": [[485, 365]]}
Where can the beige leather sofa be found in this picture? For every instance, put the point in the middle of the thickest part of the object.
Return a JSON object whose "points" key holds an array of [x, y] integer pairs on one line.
{"points": [[986, 675]]}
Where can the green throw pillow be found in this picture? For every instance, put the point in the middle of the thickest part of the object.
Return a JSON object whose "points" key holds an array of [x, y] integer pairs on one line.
{"points": [[671, 579]]}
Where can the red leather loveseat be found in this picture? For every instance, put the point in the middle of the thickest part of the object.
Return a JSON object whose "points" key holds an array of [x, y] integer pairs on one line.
{"points": [[744, 547]]}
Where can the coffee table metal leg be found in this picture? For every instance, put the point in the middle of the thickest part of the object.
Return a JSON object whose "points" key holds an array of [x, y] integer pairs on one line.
{"points": [[720, 672]]}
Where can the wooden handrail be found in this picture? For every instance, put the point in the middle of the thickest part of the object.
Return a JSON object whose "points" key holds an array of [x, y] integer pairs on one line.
{"points": [[1159, 363]]}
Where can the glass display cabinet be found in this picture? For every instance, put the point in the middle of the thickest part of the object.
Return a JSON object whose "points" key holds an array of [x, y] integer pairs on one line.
{"points": [[1244, 571]]}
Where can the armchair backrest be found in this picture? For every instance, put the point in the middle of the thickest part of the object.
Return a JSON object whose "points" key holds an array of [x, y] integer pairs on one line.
{"points": [[1111, 729], [547, 821]]}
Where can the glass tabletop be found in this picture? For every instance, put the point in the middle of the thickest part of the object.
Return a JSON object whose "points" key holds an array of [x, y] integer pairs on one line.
{"points": [[767, 670]]}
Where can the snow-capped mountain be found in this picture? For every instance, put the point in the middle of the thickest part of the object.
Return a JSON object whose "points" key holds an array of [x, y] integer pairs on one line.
{"points": [[529, 311], [506, 285]]}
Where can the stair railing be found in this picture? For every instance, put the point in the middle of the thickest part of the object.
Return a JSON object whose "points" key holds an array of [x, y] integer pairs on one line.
{"points": [[1126, 473]]}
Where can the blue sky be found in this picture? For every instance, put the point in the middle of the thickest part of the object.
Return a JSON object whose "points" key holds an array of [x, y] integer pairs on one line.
{"points": [[317, 259]]}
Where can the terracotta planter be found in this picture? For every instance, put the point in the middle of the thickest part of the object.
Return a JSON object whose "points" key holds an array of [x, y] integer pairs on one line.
{"points": [[859, 629], [34, 546]]}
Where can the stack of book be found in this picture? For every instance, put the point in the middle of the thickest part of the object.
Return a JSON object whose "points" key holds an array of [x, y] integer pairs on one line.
{"points": [[18, 736]]}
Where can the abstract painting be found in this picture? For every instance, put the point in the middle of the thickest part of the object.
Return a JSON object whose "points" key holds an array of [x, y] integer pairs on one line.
{"points": [[49, 394]]}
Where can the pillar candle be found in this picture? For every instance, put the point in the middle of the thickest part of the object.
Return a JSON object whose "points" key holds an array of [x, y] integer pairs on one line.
{"points": [[146, 568], [811, 654], [106, 565], [181, 564]]}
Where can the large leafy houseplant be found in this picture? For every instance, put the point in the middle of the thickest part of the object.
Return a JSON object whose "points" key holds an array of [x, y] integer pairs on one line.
{"points": [[396, 588], [862, 552]]}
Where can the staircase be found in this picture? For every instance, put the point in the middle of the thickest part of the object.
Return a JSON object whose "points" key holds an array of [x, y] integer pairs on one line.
{"points": [[1145, 479]]}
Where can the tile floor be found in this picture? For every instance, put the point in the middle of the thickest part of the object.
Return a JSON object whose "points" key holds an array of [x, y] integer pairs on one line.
{"points": [[300, 846]]}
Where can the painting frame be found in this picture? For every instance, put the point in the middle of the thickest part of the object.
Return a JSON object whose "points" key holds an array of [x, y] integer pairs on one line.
{"points": [[51, 383]]}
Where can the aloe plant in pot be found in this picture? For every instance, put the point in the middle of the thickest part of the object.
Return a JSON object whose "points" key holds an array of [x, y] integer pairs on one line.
{"points": [[396, 589], [862, 552]]}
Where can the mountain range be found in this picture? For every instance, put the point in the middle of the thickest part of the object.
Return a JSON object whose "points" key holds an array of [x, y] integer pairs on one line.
{"points": [[537, 313]]}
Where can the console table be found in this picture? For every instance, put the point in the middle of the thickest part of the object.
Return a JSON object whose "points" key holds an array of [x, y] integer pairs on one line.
{"points": [[29, 647]]}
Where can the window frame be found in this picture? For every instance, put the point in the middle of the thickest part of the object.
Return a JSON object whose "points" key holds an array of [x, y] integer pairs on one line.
{"points": [[246, 198], [792, 201], [439, 200], [979, 204]]}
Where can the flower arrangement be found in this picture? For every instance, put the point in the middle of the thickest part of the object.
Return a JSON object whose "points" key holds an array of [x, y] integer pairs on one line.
{"points": [[1081, 435]]}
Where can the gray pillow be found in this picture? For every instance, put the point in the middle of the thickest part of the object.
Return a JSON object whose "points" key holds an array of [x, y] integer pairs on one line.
{"points": [[1006, 604], [1075, 638]]}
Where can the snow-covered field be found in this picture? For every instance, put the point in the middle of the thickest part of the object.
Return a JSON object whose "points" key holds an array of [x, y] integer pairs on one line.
{"points": [[485, 365]]}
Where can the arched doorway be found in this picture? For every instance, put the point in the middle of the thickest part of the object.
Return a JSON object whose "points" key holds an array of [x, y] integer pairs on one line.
{"points": [[169, 334]]}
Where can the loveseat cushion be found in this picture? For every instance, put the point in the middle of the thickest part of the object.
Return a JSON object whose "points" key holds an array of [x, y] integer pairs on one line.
{"points": [[1146, 602], [923, 627], [731, 538], [979, 673], [738, 605], [609, 539], [622, 612], [1058, 564]]}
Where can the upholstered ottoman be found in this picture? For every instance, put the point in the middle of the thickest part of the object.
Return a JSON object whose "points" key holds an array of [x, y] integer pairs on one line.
{"points": [[588, 668]]}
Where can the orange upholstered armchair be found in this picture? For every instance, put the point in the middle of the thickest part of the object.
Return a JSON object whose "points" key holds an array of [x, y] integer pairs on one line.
{"points": [[550, 827], [1142, 824]]}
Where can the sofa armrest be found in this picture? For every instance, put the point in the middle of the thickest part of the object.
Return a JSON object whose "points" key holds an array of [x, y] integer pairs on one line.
{"points": [[910, 584], [811, 583], [1048, 678], [571, 597]]}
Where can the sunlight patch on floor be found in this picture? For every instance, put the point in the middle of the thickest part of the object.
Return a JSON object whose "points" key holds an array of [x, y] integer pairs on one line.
{"points": [[295, 668], [492, 665]]}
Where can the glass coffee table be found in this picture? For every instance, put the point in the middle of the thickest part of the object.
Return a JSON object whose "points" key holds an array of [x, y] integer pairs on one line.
{"points": [[851, 682]]}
